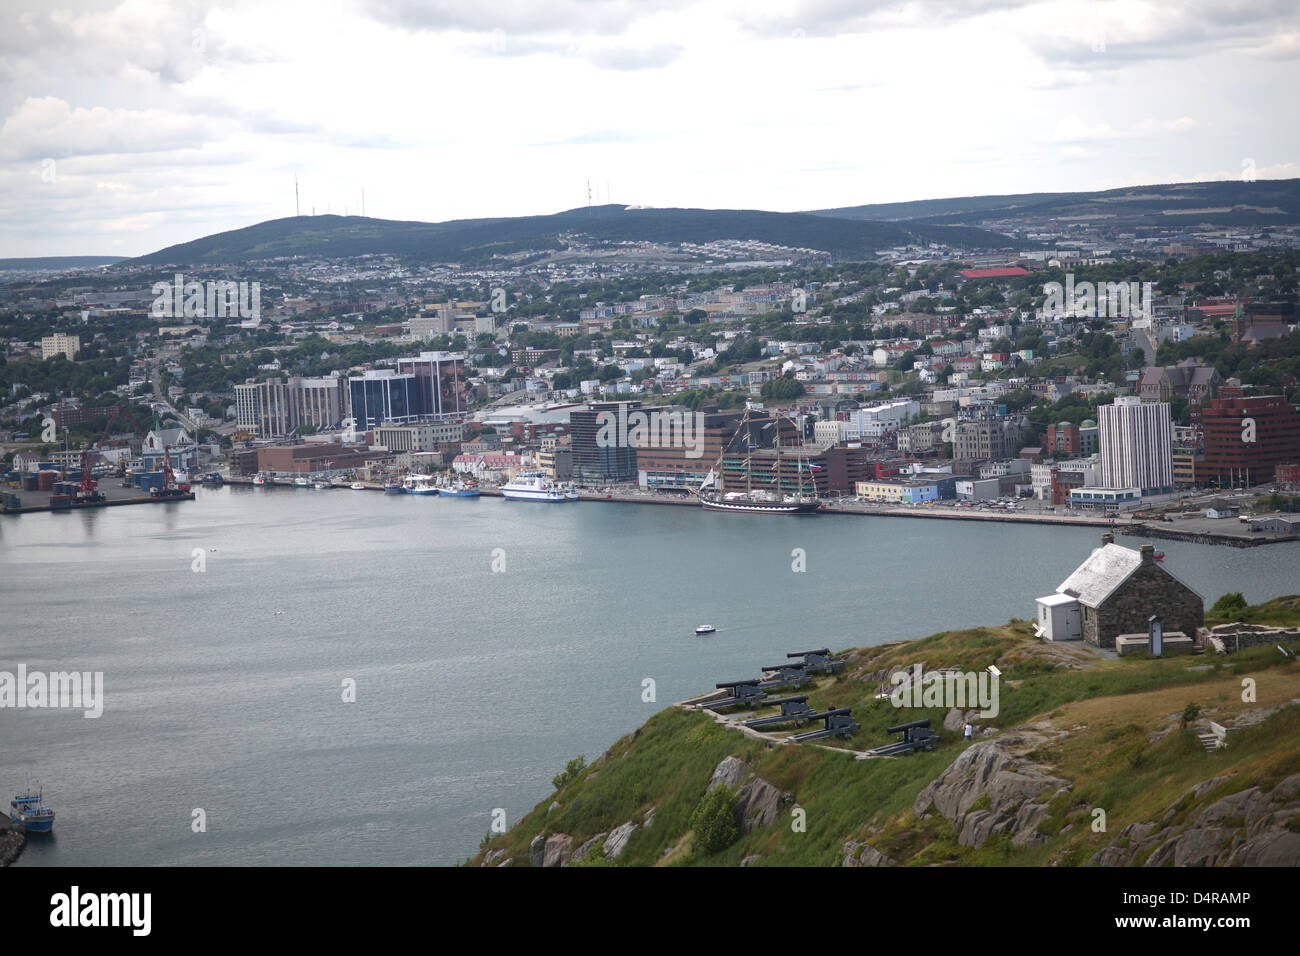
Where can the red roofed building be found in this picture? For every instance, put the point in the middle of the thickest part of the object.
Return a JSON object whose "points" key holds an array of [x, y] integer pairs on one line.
{"points": [[1011, 272]]}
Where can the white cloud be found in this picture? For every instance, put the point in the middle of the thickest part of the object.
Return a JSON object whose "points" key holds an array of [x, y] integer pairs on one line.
{"points": [[465, 108]]}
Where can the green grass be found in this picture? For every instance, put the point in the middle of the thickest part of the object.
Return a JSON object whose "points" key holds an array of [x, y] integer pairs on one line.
{"points": [[1108, 707]]}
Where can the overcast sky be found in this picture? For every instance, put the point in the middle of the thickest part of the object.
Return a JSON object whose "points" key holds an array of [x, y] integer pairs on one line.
{"points": [[128, 126]]}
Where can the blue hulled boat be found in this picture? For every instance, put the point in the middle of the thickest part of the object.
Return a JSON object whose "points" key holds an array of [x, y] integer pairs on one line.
{"points": [[30, 810], [459, 491]]}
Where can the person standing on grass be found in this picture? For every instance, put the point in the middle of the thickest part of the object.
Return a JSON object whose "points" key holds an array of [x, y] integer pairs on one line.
{"points": [[968, 730]]}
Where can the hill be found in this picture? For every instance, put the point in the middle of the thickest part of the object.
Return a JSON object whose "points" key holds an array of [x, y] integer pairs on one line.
{"points": [[1229, 203], [478, 240], [1089, 761], [56, 263]]}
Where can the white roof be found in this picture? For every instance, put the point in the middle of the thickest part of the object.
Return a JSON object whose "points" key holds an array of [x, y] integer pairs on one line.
{"points": [[1106, 569], [1054, 600]]}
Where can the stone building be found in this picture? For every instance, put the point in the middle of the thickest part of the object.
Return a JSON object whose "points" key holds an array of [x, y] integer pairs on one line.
{"points": [[1117, 590]]}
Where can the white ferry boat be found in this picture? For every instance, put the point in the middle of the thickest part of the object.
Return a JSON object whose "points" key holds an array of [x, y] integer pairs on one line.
{"points": [[533, 486]]}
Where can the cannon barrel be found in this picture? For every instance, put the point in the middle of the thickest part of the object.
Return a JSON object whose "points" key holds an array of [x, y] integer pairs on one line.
{"points": [[786, 667], [737, 683], [821, 651], [901, 728], [797, 699]]}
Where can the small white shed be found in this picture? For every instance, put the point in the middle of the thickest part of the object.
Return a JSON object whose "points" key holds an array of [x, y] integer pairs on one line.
{"points": [[1059, 618]]}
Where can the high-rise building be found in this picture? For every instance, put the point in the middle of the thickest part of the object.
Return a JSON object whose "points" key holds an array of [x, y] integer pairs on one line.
{"points": [[1136, 444], [264, 408], [440, 390], [383, 395], [596, 459], [1247, 438], [60, 344], [317, 402]]}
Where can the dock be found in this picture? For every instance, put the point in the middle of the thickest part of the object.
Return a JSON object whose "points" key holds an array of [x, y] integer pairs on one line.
{"points": [[89, 505]]}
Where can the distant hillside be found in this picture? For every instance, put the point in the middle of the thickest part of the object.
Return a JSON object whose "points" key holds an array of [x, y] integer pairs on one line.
{"points": [[1230, 203], [477, 240], [56, 263]]}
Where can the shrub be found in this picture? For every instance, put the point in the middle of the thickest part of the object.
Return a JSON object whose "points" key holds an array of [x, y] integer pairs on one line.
{"points": [[714, 820], [570, 771], [1190, 713], [1234, 602]]}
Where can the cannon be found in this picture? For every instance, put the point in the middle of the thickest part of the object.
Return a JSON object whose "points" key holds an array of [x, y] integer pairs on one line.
{"points": [[793, 710], [916, 736], [838, 723], [742, 693], [819, 661], [787, 675]]}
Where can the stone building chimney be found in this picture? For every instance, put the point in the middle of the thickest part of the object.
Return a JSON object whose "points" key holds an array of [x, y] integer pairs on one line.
{"points": [[1107, 538], [1148, 552]]}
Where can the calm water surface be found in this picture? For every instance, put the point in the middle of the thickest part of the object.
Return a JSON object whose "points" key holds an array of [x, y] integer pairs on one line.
{"points": [[473, 686]]}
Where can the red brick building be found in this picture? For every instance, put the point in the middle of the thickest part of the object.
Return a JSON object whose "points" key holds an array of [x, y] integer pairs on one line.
{"points": [[1247, 438]]}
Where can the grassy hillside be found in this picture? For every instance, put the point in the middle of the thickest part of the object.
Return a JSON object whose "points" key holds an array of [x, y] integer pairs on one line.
{"points": [[1233, 202], [477, 240], [1113, 728]]}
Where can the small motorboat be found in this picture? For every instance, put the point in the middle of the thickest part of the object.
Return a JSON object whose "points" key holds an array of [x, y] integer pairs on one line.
{"points": [[1159, 555], [705, 629], [259, 479], [302, 482], [358, 486], [322, 485]]}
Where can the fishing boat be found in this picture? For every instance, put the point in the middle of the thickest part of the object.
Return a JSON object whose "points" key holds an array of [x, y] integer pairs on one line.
{"points": [[571, 494], [705, 629], [358, 486], [799, 499], [302, 482], [459, 490], [259, 479], [419, 485], [322, 485], [212, 478], [393, 488], [533, 486], [30, 810]]}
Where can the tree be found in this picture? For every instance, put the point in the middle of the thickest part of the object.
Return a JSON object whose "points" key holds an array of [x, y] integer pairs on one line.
{"points": [[714, 820], [782, 389], [1232, 603]]}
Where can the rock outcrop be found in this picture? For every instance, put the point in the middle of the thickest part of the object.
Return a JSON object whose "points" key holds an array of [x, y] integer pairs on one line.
{"points": [[729, 772], [991, 790], [862, 854], [616, 842], [760, 804], [537, 850], [581, 852], [558, 850], [1251, 827]]}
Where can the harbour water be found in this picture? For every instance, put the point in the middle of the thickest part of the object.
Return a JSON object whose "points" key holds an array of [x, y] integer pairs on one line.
{"points": [[490, 641]]}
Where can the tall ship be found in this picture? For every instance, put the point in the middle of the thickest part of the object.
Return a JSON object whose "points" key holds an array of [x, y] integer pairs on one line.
{"points": [[30, 810], [534, 486], [714, 495]]}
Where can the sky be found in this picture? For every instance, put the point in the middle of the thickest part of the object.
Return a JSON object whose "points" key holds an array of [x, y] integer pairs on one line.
{"points": [[128, 126]]}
